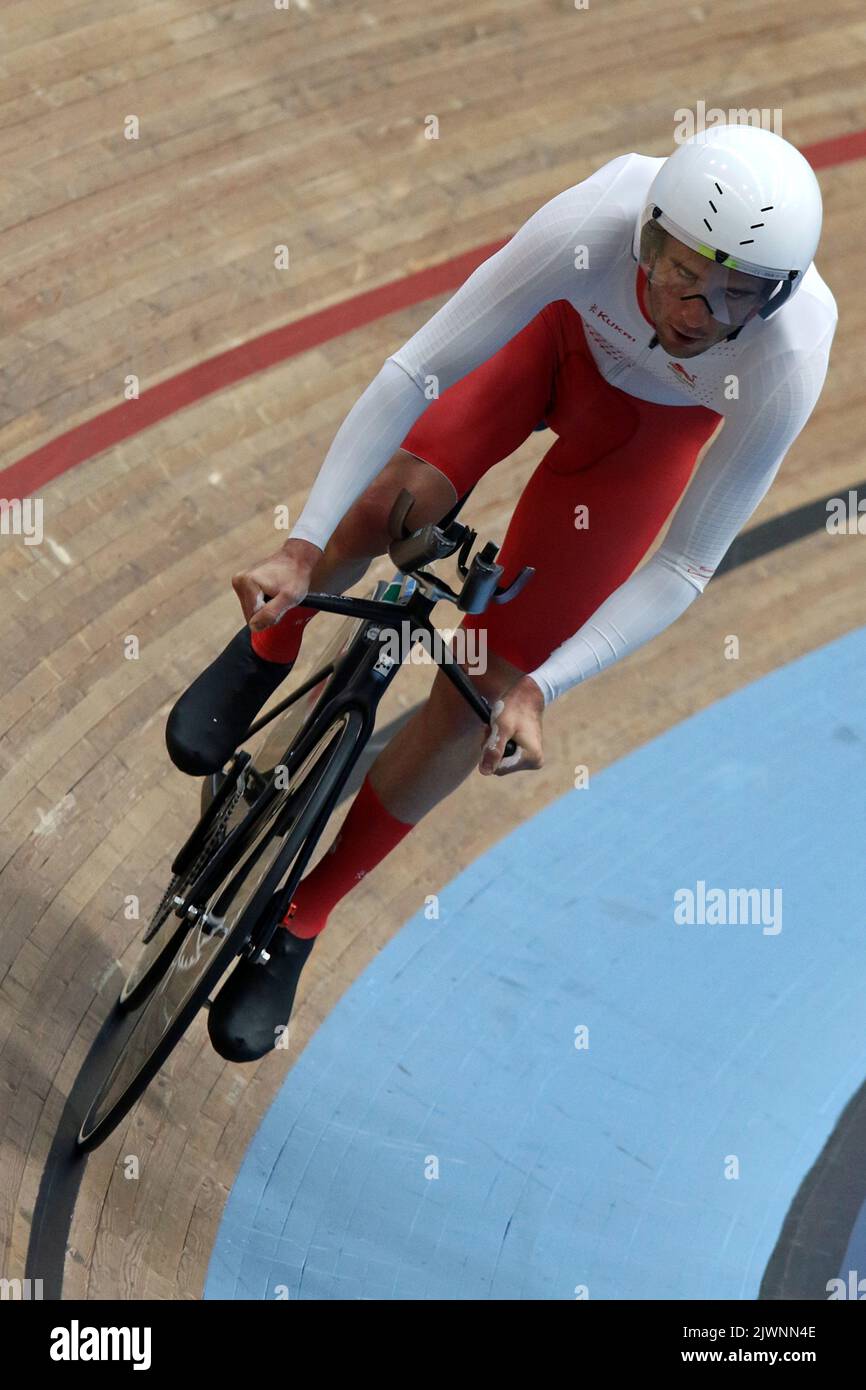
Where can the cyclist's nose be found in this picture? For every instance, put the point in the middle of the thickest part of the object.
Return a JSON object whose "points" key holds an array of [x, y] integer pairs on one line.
{"points": [[696, 312]]}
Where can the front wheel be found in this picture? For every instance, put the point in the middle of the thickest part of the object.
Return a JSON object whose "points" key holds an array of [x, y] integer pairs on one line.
{"points": [[223, 928]]}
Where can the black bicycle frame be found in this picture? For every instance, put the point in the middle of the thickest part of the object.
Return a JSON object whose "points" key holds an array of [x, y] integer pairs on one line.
{"points": [[416, 610], [360, 679], [356, 683]]}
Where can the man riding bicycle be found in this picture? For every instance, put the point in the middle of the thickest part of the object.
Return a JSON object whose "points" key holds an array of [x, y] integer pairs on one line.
{"points": [[633, 314]]}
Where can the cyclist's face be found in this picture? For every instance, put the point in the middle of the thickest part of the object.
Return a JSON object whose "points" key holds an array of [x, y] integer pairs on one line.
{"points": [[677, 277]]}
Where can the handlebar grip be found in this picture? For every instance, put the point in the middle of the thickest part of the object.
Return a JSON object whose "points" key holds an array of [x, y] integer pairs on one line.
{"points": [[403, 504], [479, 585], [421, 547]]}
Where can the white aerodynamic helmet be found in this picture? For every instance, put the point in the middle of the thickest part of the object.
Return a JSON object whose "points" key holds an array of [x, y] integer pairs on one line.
{"points": [[746, 199]]}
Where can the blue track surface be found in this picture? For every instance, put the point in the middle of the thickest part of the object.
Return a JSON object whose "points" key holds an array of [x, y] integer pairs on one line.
{"points": [[601, 1167]]}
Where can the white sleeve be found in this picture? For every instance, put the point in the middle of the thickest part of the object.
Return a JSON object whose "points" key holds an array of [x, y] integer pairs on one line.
{"points": [[536, 267], [732, 479]]}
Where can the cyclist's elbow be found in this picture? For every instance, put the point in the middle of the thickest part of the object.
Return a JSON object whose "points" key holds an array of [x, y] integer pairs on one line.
{"points": [[696, 575]]}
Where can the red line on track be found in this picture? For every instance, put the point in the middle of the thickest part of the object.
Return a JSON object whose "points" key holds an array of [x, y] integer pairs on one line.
{"points": [[841, 149], [122, 421]]}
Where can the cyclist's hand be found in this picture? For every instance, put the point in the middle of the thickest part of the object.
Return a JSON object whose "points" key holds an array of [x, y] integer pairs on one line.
{"points": [[518, 716], [283, 579]]}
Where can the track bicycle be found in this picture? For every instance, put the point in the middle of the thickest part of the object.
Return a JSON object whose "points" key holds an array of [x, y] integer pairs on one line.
{"points": [[233, 880]]}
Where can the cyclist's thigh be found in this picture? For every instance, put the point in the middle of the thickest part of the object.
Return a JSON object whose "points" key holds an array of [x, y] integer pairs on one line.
{"points": [[584, 532]]}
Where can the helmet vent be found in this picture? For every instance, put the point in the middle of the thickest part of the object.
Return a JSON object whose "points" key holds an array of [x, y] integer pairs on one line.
{"points": [[755, 225], [749, 241], [713, 206]]}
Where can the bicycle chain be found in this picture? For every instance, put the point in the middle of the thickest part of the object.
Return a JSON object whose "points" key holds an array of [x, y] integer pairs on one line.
{"points": [[211, 844]]}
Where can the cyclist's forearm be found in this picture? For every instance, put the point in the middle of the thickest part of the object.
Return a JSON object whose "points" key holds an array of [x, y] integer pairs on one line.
{"points": [[641, 608], [375, 427]]}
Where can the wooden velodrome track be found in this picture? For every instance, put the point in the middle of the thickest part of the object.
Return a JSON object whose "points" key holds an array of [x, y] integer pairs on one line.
{"points": [[150, 256]]}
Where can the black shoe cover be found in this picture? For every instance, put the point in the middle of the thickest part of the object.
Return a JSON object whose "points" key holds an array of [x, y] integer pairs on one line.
{"points": [[252, 1009], [212, 716]]}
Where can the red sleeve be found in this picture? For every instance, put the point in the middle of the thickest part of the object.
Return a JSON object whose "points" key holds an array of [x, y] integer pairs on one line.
{"points": [[488, 414]]}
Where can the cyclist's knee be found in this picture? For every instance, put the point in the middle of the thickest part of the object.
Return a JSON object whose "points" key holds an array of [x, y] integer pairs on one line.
{"points": [[364, 531]]}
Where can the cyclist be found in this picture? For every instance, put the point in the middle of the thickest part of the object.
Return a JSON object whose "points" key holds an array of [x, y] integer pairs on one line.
{"points": [[633, 314]]}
